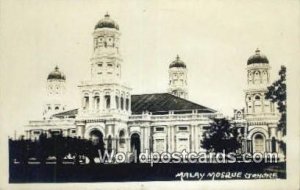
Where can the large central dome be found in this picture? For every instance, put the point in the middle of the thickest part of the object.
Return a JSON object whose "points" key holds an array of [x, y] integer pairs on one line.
{"points": [[107, 22]]}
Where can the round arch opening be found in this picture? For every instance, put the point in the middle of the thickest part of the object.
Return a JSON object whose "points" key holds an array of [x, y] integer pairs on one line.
{"points": [[259, 143]]}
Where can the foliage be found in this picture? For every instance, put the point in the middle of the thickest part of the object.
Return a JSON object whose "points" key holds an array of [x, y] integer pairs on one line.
{"points": [[277, 94], [220, 137], [54, 146]]}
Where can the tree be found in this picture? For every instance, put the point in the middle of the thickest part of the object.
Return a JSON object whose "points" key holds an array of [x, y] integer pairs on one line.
{"points": [[277, 94], [220, 137]]}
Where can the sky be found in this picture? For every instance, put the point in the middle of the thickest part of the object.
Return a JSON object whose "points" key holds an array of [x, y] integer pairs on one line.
{"points": [[214, 39]]}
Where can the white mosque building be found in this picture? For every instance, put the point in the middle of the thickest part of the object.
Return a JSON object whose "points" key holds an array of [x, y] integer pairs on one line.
{"points": [[157, 122]]}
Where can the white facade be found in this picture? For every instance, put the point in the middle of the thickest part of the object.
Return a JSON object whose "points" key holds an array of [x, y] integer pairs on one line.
{"points": [[109, 113], [258, 121], [106, 115]]}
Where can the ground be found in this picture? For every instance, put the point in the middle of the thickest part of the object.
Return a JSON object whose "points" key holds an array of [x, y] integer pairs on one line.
{"points": [[144, 172]]}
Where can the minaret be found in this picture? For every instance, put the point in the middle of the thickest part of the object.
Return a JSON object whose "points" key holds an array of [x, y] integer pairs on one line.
{"points": [[261, 114], [104, 93], [178, 78], [55, 93], [258, 79], [106, 59]]}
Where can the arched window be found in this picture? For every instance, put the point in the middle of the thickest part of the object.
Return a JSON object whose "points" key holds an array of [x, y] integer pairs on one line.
{"points": [[56, 108], [273, 144], [122, 103], [257, 104], [259, 143], [248, 98], [117, 102], [127, 104], [97, 101], [250, 77], [86, 101], [257, 97], [264, 76], [257, 77], [107, 101], [122, 139], [267, 107], [109, 144]]}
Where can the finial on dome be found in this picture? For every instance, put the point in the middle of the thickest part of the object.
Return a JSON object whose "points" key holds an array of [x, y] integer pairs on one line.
{"points": [[106, 15], [56, 68], [177, 63], [257, 51]]}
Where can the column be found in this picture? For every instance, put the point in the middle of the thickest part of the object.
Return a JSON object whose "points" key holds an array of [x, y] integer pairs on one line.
{"points": [[262, 104], [127, 141], [119, 101], [90, 102], [173, 137], [114, 144], [124, 103], [142, 137], [169, 138], [80, 129], [197, 138], [129, 106], [113, 100], [147, 137], [192, 140], [249, 144]]}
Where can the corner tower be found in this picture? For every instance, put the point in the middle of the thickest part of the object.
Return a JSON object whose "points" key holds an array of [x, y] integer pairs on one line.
{"points": [[258, 79], [55, 93], [261, 114], [178, 78]]}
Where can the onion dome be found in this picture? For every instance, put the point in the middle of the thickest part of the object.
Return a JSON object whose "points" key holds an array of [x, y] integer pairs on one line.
{"points": [[257, 58], [107, 22], [177, 63], [56, 74]]}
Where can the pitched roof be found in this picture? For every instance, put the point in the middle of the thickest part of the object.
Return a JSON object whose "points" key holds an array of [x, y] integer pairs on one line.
{"points": [[160, 103]]}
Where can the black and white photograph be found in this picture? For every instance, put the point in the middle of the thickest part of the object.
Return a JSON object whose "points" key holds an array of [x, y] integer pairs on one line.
{"points": [[149, 94]]}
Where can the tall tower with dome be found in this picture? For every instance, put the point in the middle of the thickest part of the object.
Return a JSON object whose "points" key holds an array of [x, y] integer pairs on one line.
{"points": [[55, 93], [258, 79], [105, 100], [178, 78], [105, 93], [258, 121]]}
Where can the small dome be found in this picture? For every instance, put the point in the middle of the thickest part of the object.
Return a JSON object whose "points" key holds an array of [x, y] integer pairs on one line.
{"points": [[107, 22], [56, 74], [177, 63], [257, 58]]}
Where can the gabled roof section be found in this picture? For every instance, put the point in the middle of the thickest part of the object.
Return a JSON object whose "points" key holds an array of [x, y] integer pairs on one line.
{"points": [[162, 103]]}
